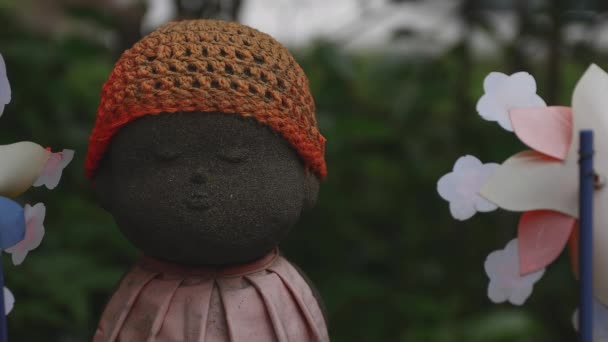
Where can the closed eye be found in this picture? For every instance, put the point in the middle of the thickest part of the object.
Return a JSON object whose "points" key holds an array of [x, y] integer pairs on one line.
{"points": [[234, 156], [166, 154]]}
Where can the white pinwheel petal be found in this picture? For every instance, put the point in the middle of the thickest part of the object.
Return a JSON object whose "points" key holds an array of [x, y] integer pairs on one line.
{"points": [[506, 283], [5, 87], [51, 174], [589, 109], [9, 300], [589, 104], [600, 321], [461, 187], [532, 181], [21, 164], [34, 233]]}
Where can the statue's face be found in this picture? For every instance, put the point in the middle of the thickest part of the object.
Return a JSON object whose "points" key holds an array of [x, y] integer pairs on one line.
{"points": [[202, 188]]}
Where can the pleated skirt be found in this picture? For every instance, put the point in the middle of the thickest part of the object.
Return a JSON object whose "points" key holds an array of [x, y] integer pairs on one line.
{"points": [[265, 301]]}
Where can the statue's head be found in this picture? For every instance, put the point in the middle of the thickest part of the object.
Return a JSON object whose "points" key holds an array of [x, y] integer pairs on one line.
{"points": [[206, 148]]}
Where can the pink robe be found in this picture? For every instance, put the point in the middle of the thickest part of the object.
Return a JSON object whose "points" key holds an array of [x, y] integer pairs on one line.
{"points": [[267, 300]]}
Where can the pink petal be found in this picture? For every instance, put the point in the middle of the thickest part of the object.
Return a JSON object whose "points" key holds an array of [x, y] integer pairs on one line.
{"points": [[547, 130], [542, 235]]}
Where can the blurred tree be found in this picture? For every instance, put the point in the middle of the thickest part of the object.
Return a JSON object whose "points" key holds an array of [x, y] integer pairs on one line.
{"points": [[555, 43], [390, 262], [221, 9]]}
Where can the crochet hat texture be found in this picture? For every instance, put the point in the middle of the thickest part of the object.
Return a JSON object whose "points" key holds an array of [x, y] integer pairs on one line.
{"points": [[210, 66]]}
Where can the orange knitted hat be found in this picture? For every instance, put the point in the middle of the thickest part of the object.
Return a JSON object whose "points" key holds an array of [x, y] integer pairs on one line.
{"points": [[210, 66]]}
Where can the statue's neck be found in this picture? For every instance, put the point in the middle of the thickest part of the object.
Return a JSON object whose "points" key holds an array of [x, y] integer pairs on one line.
{"points": [[167, 267]]}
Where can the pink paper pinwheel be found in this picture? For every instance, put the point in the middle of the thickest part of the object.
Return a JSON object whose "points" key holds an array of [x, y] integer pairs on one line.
{"points": [[34, 232], [23, 165], [543, 182]]}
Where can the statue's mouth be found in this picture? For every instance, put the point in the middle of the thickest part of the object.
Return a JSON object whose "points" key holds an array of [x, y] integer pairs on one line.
{"points": [[198, 201]]}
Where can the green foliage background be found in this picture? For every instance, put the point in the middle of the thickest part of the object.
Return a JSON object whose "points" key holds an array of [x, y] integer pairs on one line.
{"points": [[390, 262]]}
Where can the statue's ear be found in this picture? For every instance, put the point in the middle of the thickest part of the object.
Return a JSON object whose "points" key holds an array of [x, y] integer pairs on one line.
{"points": [[311, 190], [102, 185]]}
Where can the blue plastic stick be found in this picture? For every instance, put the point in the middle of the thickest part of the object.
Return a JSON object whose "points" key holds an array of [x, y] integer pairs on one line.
{"points": [[586, 237], [3, 330]]}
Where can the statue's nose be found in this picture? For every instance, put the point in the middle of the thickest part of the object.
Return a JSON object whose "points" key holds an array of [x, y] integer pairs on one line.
{"points": [[199, 176]]}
